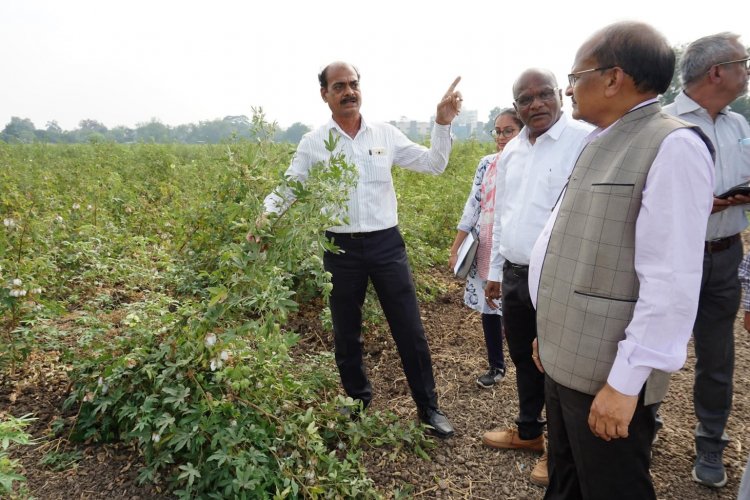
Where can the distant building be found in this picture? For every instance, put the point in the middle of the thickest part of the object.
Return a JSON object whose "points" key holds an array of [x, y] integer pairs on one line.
{"points": [[465, 126], [414, 130]]}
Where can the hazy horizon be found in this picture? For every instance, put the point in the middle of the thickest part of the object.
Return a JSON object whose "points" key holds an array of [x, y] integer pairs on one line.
{"points": [[184, 62]]}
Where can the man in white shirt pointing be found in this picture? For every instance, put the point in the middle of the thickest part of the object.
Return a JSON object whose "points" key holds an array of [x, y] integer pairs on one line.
{"points": [[371, 244]]}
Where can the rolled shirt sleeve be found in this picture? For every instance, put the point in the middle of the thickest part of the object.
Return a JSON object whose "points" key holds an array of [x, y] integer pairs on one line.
{"points": [[419, 158]]}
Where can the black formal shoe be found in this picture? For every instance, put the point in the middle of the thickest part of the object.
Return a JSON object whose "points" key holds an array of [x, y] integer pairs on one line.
{"points": [[436, 419], [355, 412]]}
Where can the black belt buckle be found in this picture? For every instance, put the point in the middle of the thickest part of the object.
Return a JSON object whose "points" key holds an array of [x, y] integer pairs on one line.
{"points": [[517, 268], [357, 236]]}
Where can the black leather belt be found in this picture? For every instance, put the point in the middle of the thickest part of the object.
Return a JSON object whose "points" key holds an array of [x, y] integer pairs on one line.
{"points": [[356, 236], [720, 244], [516, 267]]}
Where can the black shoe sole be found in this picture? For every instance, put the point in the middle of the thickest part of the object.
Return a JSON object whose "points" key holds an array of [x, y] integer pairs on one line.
{"points": [[720, 484], [441, 435], [480, 384]]}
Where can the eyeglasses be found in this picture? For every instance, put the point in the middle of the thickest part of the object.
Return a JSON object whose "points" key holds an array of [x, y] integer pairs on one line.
{"points": [[745, 60], [573, 77], [546, 96], [507, 132]]}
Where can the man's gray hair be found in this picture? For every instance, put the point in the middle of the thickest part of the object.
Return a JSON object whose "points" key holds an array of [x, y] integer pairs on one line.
{"points": [[703, 53]]}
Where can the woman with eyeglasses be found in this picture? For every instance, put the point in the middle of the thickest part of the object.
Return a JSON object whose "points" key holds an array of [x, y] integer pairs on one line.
{"points": [[478, 217]]}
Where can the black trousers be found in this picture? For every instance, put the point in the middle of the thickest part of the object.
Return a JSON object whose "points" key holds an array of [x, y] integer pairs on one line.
{"points": [[713, 334], [492, 326], [583, 466], [379, 256], [519, 318]]}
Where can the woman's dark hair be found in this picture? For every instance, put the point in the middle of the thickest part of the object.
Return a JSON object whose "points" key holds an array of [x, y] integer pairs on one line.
{"points": [[512, 113]]}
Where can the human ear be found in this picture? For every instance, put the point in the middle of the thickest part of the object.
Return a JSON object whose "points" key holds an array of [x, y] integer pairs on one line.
{"points": [[614, 81], [713, 73]]}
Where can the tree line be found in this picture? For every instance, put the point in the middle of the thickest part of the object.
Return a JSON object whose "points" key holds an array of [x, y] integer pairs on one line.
{"points": [[23, 130]]}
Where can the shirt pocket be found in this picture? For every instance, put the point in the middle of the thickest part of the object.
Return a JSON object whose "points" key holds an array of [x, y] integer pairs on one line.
{"points": [[378, 169], [611, 201], [555, 184]]}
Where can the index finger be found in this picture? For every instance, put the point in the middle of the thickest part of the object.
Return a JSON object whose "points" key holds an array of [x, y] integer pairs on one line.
{"points": [[453, 86]]}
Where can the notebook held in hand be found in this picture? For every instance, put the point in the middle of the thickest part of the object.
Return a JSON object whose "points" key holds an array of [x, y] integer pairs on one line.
{"points": [[466, 253]]}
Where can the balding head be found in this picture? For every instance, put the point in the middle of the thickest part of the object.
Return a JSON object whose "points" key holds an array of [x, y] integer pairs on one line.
{"points": [[323, 75], [639, 49], [537, 100], [533, 74]]}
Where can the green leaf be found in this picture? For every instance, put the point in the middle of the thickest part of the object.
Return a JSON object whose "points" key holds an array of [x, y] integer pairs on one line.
{"points": [[189, 472]]}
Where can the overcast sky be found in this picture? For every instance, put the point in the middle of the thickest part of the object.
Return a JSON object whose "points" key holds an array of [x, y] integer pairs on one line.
{"points": [[125, 62]]}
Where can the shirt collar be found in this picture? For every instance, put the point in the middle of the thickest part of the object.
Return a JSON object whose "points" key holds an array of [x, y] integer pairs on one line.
{"points": [[333, 125], [601, 131], [685, 104], [554, 132]]}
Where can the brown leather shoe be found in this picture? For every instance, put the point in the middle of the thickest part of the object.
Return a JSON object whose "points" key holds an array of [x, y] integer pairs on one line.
{"points": [[540, 474], [508, 439]]}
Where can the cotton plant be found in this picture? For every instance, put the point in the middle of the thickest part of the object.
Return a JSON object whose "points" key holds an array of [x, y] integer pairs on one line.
{"points": [[17, 301]]}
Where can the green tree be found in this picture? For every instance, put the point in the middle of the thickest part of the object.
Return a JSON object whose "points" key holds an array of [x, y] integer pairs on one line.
{"points": [[122, 134], [92, 126], [491, 121], [742, 106], [184, 133], [19, 130], [294, 133], [54, 132], [152, 131], [675, 86]]}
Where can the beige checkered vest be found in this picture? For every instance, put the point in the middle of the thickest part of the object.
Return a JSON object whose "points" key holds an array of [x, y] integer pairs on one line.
{"points": [[588, 287]]}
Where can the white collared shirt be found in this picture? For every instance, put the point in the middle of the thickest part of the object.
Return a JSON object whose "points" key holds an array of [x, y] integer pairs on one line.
{"points": [[373, 151], [534, 176], [732, 158]]}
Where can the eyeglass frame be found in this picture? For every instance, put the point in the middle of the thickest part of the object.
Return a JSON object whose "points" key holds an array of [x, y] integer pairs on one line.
{"points": [[746, 60], [574, 77], [553, 93], [507, 132]]}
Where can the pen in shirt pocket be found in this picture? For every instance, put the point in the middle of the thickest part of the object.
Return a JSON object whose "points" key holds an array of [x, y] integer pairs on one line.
{"points": [[377, 151]]}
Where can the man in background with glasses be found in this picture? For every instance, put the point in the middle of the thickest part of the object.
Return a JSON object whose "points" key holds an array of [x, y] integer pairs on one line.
{"points": [[714, 72], [535, 167], [616, 271]]}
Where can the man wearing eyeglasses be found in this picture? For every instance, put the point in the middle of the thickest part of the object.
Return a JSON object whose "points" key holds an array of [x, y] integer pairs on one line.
{"points": [[714, 72], [536, 165], [616, 271]]}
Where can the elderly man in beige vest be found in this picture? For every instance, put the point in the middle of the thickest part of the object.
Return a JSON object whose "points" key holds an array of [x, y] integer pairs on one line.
{"points": [[617, 270]]}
